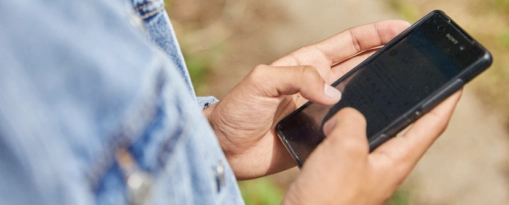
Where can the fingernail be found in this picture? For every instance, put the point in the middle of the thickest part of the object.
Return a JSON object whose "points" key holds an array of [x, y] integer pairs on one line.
{"points": [[332, 92], [328, 126]]}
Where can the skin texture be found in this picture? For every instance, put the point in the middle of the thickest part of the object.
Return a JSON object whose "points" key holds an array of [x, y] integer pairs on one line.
{"points": [[244, 120], [341, 170]]}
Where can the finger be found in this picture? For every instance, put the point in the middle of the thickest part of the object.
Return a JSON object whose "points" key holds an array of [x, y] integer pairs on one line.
{"points": [[281, 81], [344, 45], [337, 165], [343, 68], [409, 148], [346, 132], [352, 41]]}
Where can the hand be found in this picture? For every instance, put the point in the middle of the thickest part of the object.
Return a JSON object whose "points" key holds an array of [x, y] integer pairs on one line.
{"points": [[245, 118], [342, 171]]}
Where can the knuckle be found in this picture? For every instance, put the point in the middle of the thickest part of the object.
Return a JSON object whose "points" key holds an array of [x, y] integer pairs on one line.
{"points": [[350, 144], [353, 115], [441, 123], [309, 74], [397, 26], [400, 168], [399, 165], [259, 71], [355, 146], [260, 68], [308, 71], [302, 51]]}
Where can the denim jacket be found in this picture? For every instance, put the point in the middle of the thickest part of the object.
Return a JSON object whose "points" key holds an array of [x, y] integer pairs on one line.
{"points": [[96, 107]]}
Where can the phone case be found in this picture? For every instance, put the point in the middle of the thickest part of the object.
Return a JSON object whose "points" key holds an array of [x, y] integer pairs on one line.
{"points": [[416, 111]]}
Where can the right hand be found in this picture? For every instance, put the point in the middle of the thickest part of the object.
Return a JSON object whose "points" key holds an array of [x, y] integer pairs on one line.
{"points": [[245, 119], [342, 171]]}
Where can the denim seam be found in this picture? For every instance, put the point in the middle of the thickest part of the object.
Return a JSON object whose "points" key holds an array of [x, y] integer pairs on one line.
{"points": [[140, 7], [149, 14]]}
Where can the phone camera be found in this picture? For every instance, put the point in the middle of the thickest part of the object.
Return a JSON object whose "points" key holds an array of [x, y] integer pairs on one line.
{"points": [[440, 28]]}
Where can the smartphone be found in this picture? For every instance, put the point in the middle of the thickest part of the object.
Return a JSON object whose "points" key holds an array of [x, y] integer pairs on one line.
{"points": [[395, 86]]}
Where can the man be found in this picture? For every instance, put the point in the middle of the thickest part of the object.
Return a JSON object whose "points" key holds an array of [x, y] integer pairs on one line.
{"points": [[92, 111]]}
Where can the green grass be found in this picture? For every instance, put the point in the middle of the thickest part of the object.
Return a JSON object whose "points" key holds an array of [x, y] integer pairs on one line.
{"points": [[262, 191], [501, 5], [199, 61], [200, 64], [405, 10], [504, 39], [400, 197], [198, 67]]}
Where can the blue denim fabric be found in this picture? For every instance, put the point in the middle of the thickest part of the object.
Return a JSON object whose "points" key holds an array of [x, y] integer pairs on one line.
{"points": [[158, 26], [80, 80]]}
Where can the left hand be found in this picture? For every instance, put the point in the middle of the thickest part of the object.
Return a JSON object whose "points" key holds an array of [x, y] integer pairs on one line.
{"points": [[245, 119], [342, 171]]}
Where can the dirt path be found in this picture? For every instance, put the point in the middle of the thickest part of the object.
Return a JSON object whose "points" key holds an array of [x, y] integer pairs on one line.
{"points": [[467, 165]]}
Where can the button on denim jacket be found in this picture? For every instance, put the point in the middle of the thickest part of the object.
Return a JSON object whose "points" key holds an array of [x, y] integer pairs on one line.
{"points": [[96, 107]]}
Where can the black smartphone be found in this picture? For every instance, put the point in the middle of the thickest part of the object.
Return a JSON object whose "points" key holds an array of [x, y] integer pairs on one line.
{"points": [[406, 78]]}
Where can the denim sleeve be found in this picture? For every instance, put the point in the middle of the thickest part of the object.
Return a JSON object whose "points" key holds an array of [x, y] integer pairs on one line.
{"points": [[161, 32], [81, 82], [206, 102]]}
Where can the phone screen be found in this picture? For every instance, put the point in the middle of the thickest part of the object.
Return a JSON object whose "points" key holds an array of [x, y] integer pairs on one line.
{"points": [[386, 87], [396, 81]]}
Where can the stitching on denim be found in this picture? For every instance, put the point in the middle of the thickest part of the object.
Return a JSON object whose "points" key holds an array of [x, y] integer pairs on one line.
{"points": [[140, 7], [149, 14]]}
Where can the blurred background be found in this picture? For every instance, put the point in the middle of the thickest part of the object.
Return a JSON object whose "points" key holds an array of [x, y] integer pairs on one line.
{"points": [[223, 40]]}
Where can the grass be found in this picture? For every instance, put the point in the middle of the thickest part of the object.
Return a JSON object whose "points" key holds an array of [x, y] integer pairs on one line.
{"points": [[405, 10], [200, 55], [504, 39], [262, 191], [199, 64], [198, 67], [400, 197]]}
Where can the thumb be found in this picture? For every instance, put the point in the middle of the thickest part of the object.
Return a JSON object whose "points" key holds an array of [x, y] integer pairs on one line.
{"points": [[279, 81], [346, 133]]}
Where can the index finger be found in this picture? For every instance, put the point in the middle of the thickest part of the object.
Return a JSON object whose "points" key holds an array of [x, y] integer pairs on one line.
{"points": [[346, 44], [338, 48], [357, 39]]}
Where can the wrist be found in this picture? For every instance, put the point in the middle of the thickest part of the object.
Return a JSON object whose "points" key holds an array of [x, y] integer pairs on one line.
{"points": [[215, 124]]}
